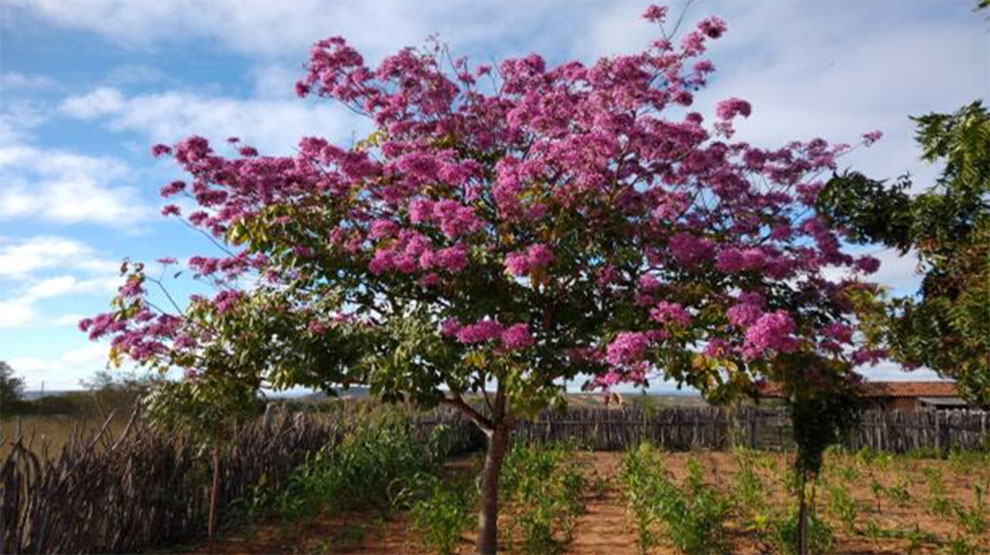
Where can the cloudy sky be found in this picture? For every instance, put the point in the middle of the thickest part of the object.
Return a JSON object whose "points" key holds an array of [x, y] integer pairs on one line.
{"points": [[86, 87]]}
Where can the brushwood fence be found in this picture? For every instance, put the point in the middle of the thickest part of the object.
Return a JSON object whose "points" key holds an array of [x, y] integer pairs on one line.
{"points": [[680, 428], [141, 490]]}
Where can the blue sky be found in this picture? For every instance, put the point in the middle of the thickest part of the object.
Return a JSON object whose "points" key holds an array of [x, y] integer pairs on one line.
{"points": [[87, 87]]}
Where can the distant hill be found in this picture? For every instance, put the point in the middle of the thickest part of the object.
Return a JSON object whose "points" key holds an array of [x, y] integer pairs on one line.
{"points": [[38, 394]]}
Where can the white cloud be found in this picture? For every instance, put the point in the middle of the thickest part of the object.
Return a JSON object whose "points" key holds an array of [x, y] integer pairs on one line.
{"points": [[64, 370], [891, 371], [16, 314], [262, 27], [21, 264], [66, 188], [18, 258], [14, 80], [273, 126], [69, 285], [17, 119], [99, 102], [128, 74]]}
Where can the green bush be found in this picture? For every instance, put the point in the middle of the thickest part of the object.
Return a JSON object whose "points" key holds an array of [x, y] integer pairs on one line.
{"points": [[368, 469], [544, 488], [693, 515], [785, 529], [439, 512]]}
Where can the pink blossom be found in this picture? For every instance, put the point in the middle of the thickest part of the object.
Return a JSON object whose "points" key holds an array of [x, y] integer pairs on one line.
{"points": [[453, 259], [381, 229], [716, 348], [420, 210], [732, 107], [871, 137], [521, 263], [450, 327], [770, 331], [429, 280], [690, 250], [838, 331], [648, 284], [670, 313], [867, 264], [481, 331], [655, 13], [712, 27], [743, 314], [224, 301], [539, 255], [172, 188], [516, 336], [627, 347]]}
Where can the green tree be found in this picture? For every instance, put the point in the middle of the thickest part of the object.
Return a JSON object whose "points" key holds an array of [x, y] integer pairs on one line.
{"points": [[11, 386], [946, 324]]}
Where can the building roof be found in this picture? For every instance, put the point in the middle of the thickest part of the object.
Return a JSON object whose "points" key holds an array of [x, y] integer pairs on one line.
{"points": [[883, 389]]}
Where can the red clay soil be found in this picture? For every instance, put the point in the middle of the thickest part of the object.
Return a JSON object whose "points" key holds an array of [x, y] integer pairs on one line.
{"points": [[606, 529]]}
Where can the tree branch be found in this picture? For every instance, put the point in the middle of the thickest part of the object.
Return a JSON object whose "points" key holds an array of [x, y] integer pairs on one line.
{"points": [[479, 419]]}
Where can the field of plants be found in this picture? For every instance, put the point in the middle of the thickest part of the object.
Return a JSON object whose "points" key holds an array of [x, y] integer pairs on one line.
{"points": [[382, 492]]}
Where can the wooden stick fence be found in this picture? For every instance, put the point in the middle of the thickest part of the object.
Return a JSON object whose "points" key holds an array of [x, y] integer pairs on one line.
{"points": [[679, 428]]}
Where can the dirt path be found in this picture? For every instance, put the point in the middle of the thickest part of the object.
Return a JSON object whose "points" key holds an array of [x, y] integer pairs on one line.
{"points": [[604, 527]]}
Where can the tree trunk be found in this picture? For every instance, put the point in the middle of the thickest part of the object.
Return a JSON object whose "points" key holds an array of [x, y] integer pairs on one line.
{"points": [[498, 441], [211, 525], [802, 531]]}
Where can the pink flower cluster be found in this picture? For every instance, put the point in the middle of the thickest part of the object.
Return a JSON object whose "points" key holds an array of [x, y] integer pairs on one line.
{"points": [[770, 331], [511, 338], [627, 348], [670, 313], [535, 257]]}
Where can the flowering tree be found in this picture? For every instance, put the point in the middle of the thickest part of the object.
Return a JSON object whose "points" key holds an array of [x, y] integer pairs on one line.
{"points": [[502, 230]]}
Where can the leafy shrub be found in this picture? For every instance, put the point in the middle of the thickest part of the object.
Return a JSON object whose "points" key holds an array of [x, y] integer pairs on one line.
{"points": [[366, 469], [973, 519], [544, 487], [440, 515], [820, 538], [693, 515], [843, 507], [749, 489]]}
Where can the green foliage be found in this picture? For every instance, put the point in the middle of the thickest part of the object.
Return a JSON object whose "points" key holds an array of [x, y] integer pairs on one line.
{"points": [[693, 514], [785, 534], [373, 467], [642, 480], [947, 325], [440, 514], [843, 507], [11, 387], [205, 409], [543, 485], [973, 519], [749, 490]]}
